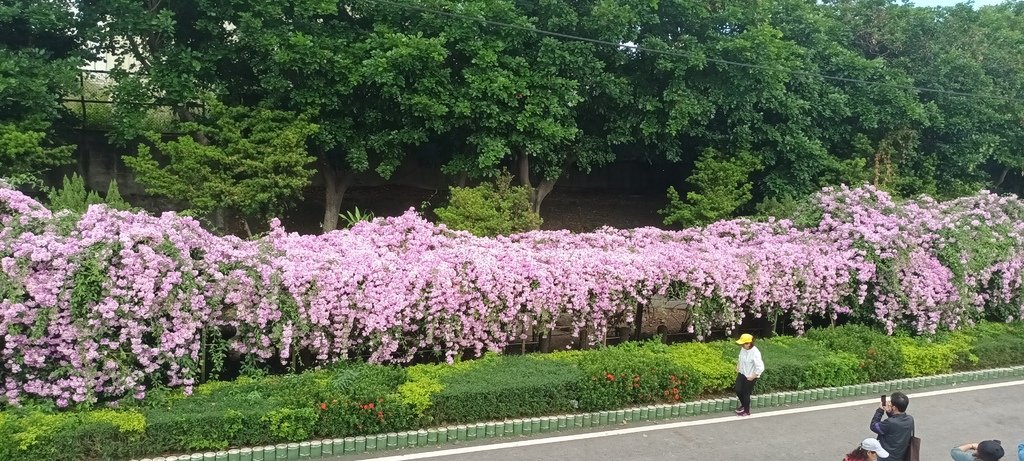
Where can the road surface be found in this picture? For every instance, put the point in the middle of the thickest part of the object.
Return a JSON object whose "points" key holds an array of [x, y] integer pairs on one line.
{"points": [[944, 418]]}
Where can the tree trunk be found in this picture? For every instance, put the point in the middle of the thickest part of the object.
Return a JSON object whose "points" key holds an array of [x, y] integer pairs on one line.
{"points": [[461, 179], [220, 219], [186, 115], [1002, 177], [245, 225], [524, 169], [541, 192], [544, 344], [336, 183]]}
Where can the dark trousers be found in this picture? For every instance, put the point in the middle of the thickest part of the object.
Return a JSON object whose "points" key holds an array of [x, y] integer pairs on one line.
{"points": [[743, 389]]}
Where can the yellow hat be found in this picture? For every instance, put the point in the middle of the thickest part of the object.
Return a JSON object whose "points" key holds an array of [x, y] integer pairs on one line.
{"points": [[745, 338]]}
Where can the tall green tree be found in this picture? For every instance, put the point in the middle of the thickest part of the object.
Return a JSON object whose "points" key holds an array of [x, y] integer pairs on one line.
{"points": [[376, 88], [854, 126], [39, 57], [723, 83], [521, 99], [749, 78], [371, 88], [253, 162], [969, 141], [156, 47]]}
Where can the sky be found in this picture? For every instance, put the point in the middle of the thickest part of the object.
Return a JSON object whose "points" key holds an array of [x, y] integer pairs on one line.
{"points": [[954, 2]]}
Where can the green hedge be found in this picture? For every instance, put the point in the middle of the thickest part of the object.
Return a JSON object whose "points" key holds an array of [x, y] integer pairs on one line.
{"points": [[631, 374], [936, 355], [507, 388], [717, 372], [800, 363], [354, 399], [880, 356], [997, 344]]}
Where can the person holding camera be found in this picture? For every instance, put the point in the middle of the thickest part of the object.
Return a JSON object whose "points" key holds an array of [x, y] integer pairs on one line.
{"points": [[895, 431]]}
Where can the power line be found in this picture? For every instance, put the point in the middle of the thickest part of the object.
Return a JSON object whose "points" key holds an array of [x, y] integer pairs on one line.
{"points": [[684, 55]]}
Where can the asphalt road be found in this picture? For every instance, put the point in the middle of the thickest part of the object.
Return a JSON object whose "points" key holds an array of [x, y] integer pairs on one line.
{"points": [[811, 433]]}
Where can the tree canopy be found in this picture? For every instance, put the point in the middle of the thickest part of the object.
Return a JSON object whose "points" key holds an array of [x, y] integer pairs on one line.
{"points": [[781, 97], [40, 53]]}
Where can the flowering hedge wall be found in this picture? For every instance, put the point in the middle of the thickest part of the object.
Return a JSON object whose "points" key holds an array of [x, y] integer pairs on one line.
{"points": [[107, 303]]}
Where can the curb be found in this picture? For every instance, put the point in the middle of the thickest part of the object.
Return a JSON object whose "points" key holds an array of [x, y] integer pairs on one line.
{"points": [[547, 424]]}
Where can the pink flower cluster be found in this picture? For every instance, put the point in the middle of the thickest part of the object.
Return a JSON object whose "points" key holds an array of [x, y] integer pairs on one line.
{"points": [[106, 304]]}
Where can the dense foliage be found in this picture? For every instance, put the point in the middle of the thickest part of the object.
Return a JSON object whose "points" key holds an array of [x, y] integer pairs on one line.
{"points": [[789, 95], [73, 196], [358, 399], [253, 162], [110, 303], [39, 57], [490, 209]]}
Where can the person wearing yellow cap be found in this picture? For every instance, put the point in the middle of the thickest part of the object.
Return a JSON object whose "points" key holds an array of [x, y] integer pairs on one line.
{"points": [[748, 368]]}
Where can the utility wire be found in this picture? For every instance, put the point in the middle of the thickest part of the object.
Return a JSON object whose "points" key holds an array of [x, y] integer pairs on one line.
{"points": [[684, 55]]}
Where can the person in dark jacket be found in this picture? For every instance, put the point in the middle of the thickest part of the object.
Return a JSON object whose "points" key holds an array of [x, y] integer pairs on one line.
{"points": [[895, 431]]}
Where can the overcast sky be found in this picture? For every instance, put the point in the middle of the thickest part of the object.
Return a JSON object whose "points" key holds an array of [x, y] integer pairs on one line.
{"points": [[954, 2]]}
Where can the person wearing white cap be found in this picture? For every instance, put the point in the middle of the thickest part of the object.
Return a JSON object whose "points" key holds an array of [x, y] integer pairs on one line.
{"points": [[748, 368], [869, 450]]}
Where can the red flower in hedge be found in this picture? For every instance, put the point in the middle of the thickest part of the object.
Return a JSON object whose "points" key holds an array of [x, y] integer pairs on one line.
{"points": [[609, 376], [323, 406]]}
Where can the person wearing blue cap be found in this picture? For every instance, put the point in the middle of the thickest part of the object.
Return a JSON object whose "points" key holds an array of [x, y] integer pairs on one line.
{"points": [[748, 368]]}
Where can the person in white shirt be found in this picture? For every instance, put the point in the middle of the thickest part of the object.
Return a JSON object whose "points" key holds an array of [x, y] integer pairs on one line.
{"points": [[748, 368]]}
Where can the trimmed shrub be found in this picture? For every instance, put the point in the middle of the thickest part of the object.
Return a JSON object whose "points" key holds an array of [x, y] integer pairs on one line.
{"points": [[717, 374], [212, 422], [879, 355], [364, 399], [343, 418], [424, 381], [490, 209], [512, 387], [98, 434], [634, 373], [32, 435], [212, 428], [997, 344], [936, 355]]}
